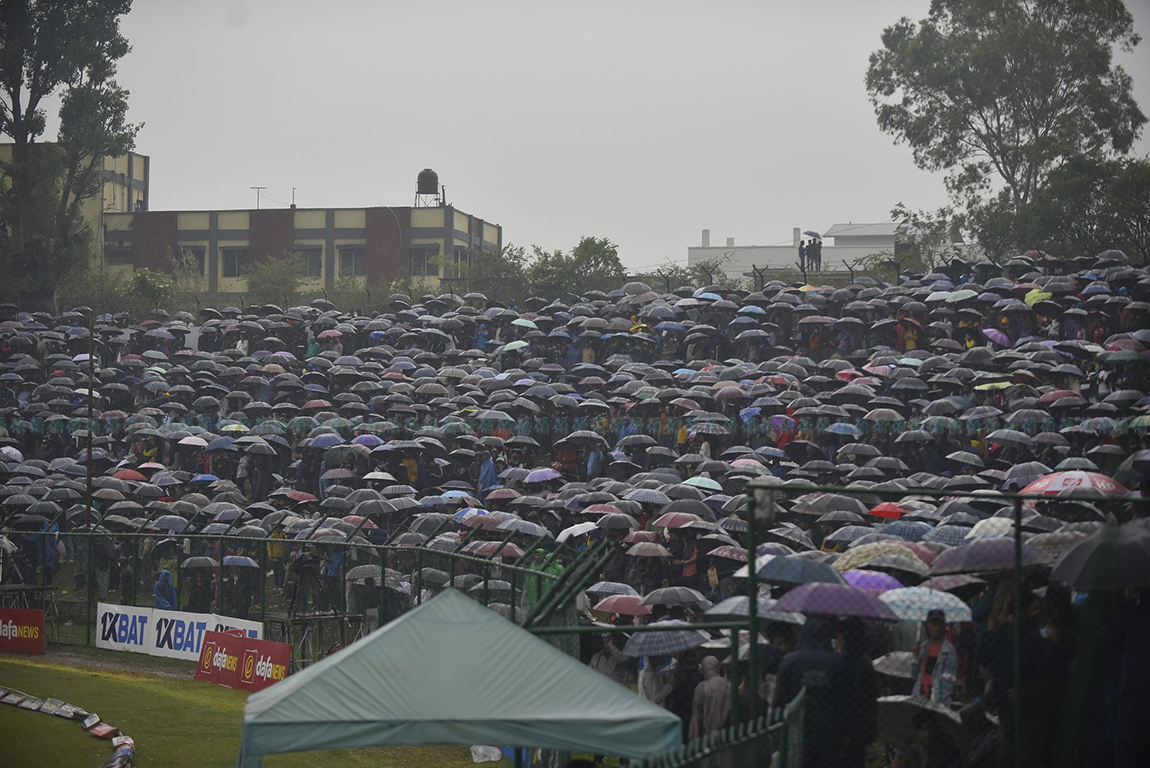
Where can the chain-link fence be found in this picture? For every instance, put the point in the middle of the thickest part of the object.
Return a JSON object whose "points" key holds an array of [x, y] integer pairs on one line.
{"points": [[904, 626], [315, 594]]}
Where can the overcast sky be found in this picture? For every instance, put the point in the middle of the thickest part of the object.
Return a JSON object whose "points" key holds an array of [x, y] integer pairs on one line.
{"points": [[643, 122]]}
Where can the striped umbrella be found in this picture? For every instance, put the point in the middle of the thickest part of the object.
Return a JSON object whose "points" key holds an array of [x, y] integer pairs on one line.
{"points": [[664, 643], [915, 602]]}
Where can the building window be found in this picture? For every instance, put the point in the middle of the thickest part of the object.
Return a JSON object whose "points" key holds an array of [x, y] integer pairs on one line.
{"points": [[352, 261], [235, 261], [461, 260], [424, 259], [193, 255], [119, 256], [312, 260]]}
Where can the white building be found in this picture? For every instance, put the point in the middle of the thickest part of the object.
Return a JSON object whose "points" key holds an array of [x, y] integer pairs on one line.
{"points": [[842, 244]]}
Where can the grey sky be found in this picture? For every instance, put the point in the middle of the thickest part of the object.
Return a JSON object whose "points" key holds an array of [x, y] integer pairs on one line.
{"points": [[639, 121]]}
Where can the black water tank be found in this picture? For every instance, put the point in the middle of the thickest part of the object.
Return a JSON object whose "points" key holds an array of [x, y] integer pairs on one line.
{"points": [[428, 183]]}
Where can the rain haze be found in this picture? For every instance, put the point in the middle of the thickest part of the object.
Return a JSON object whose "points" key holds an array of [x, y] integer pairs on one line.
{"points": [[642, 122]]}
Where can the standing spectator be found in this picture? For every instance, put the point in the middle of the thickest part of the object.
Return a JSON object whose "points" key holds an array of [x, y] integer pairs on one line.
{"points": [[165, 592], [803, 254], [655, 679], [712, 703], [860, 726], [936, 661], [818, 669], [682, 699]]}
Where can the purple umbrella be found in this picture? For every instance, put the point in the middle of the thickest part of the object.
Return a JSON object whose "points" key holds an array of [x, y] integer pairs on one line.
{"points": [[872, 581], [986, 556], [822, 599], [541, 475], [370, 441], [997, 336]]}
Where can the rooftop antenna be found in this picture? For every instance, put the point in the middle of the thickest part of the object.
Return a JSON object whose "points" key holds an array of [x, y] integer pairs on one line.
{"points": [[257, 189], [293, 197]]}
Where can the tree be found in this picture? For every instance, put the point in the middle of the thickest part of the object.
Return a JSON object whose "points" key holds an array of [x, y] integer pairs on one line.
{"points": [[1129, 197], [550, 273], [275, 280], [702, 273], [153, 288], [1001, 93], [500, 274], [594, 263], [46, 47]]}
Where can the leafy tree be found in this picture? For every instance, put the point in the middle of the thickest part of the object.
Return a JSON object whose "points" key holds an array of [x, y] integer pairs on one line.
{"points": [[500, 274], [47, 47], [999, 94], [275, 280], [594, 263], [154, 288], [1129, 197], [550, 273]]}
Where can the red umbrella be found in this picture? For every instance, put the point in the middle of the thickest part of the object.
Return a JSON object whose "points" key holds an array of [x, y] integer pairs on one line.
{"points": [[481, 521], [301, 496], [727, 552], [489, 548], [357, 519], [1075, 480], [626, 605], [675, 520], [889, 509], [130, 474]]}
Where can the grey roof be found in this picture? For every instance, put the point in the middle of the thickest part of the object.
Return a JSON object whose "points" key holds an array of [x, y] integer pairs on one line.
{"points": [[879, 229]]}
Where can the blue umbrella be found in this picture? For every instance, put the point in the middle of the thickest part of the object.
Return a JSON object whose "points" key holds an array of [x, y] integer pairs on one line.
{"points": [[669, 327], [326, 441], [241, 561], [205, 478], [841, 428], [666, 642], [221, 444], [911, 530], [798, 570]]}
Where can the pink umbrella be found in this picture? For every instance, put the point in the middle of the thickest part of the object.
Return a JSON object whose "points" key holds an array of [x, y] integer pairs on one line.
{"points": [[625, 605], [872, 581], [1075, 480]]}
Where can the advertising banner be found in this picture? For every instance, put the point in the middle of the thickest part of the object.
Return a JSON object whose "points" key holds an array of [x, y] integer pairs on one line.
{"points": [[240, 662], [173, 634], [21, 630]]}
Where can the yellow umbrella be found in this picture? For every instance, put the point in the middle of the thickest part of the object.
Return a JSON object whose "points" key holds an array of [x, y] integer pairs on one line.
{"points": [[1035, 296]]}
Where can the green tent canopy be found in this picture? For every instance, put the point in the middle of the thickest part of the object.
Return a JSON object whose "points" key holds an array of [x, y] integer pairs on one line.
{"points": [[453, 672]]}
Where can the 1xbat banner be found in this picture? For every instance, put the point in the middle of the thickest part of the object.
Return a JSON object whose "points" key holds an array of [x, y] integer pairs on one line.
{"points": [[242, 662], [172, 634]]}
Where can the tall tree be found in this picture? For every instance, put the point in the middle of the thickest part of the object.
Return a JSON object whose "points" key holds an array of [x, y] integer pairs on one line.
{"points": [[1000, 93], [69, 47], [499, 274]]}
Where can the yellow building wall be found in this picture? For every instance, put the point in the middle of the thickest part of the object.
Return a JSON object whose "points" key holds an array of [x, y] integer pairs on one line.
{"points": [[233, 220], [427, 217], [461, 222], [349, 219], [310, 219], [490, 233], [118, 222], [186, 221]]}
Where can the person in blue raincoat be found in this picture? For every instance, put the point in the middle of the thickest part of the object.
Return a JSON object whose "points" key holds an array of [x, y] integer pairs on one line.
{"points": [[488, 476], [165, 592]]}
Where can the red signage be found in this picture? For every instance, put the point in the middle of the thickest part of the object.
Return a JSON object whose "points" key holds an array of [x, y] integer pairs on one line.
{"points": [[240, 662], [21, 631]]}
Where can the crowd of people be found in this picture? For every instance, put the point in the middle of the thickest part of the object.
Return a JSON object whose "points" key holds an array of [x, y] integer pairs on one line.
{"points": [[889, 420]]}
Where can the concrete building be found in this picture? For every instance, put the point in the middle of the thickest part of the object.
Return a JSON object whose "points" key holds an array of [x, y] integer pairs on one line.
{"points": [[375, 242], [842, 244], [125, 185]]}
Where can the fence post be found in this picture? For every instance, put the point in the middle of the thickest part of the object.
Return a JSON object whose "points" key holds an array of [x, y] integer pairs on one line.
{"points": [[1017, 661], [263, 580]]}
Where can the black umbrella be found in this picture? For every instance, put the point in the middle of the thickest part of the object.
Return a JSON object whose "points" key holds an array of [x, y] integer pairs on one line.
{"points": [[1113, 558]]}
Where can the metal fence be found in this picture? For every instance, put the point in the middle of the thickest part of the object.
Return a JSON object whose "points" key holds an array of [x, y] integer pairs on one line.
{"points": [[774, 739], [1016, 667], [315, 595]]}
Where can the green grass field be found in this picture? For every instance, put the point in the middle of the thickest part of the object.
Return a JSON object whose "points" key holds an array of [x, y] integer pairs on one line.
{"points": [[175, 721]]}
